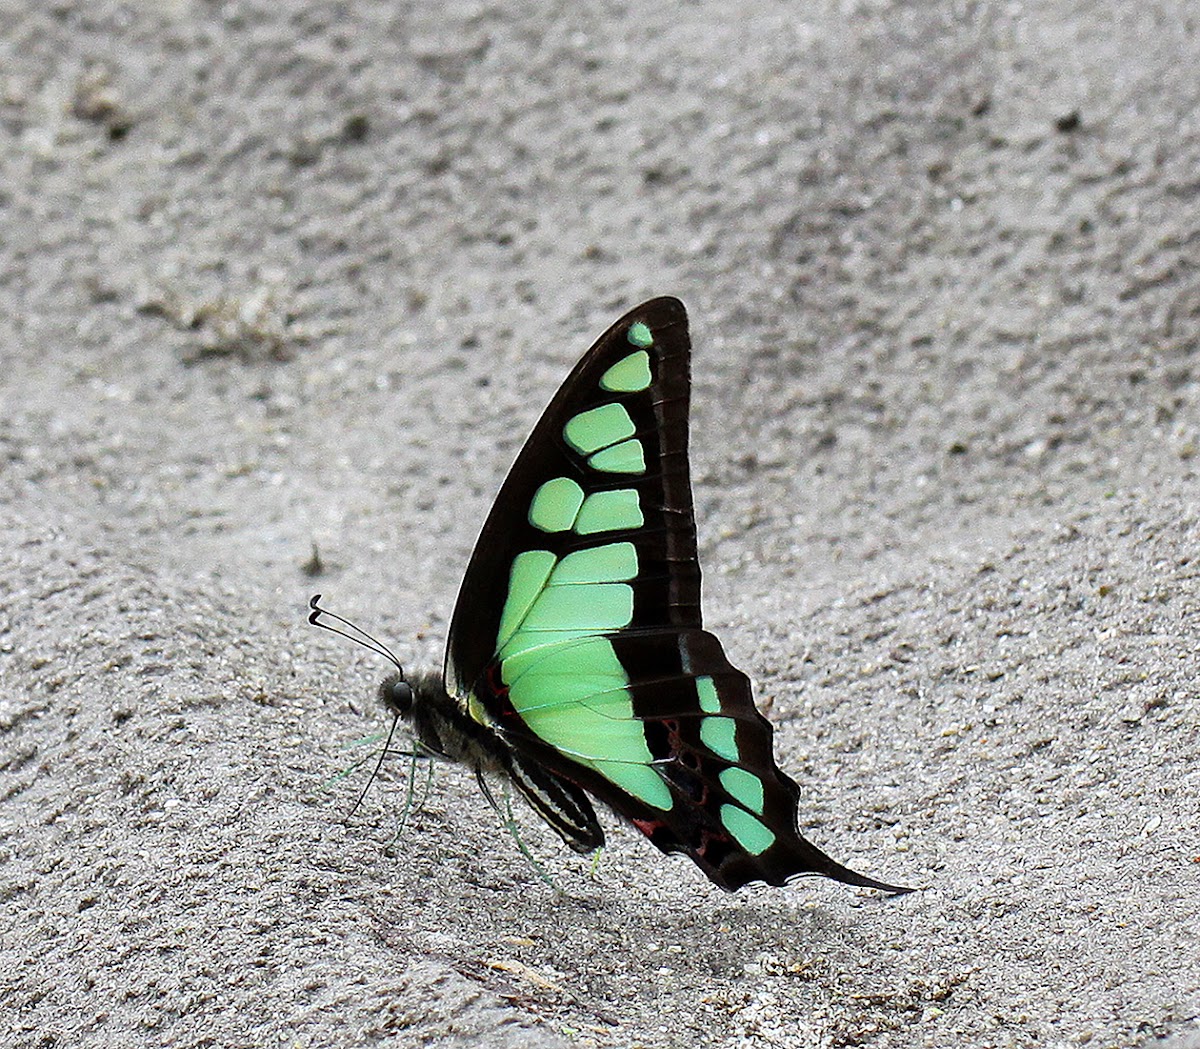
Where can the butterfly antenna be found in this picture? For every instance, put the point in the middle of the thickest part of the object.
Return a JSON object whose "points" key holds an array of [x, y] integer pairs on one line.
{"points": [[359, 636]]}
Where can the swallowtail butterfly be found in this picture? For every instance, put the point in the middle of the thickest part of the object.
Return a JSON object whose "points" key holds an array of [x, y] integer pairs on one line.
{"points": [[577, 664]]}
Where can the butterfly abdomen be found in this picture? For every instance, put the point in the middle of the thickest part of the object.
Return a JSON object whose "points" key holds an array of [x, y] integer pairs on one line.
{"points": [[462, 730]]}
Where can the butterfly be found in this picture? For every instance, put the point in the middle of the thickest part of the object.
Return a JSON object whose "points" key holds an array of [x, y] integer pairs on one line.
{"points": [[577, 664]]}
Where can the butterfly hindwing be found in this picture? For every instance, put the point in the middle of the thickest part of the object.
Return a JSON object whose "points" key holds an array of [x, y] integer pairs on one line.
{"points": [[577, 636], [674, 743]]}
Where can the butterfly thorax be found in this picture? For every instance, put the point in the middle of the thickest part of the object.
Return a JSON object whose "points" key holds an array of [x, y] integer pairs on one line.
{"points": [[463, 731], [439, 723]]}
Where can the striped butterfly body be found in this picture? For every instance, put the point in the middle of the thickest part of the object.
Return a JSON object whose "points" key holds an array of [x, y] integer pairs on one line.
{"points": [[577, 664]]}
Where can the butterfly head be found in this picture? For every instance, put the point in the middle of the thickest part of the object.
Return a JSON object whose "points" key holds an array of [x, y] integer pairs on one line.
{"points": [[396, 694], [408, 696], [420, 699]]}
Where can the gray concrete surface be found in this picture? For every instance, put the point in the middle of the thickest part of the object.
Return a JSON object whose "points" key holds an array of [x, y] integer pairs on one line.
{"points": [[276, 274]]}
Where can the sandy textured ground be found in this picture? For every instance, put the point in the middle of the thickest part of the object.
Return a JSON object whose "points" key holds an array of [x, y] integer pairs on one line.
{"points": [[277, 273]]}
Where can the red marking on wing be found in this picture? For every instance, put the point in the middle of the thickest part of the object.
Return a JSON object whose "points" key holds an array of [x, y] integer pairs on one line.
{"points": [[648, 827]]}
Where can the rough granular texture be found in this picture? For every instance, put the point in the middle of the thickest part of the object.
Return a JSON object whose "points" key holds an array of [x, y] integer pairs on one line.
{"points": [[294, 277]]}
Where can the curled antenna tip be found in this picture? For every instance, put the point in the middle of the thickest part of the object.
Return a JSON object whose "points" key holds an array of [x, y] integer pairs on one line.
{"points": [[359, 636]]}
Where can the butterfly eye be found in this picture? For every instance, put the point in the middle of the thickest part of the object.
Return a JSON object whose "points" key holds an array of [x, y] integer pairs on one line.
{"points": [[400, 696]]}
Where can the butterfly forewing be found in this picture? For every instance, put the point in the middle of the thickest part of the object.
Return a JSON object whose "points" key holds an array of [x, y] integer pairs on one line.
{"points": [[557, 500], [577, 635]]}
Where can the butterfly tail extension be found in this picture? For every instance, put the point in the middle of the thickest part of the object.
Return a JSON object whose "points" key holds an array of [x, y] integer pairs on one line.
{"points": [[811, 861]]}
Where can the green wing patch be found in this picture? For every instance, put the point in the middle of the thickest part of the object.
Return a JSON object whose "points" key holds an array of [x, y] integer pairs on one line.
{"points": [[598, 428], [629, 375]]}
